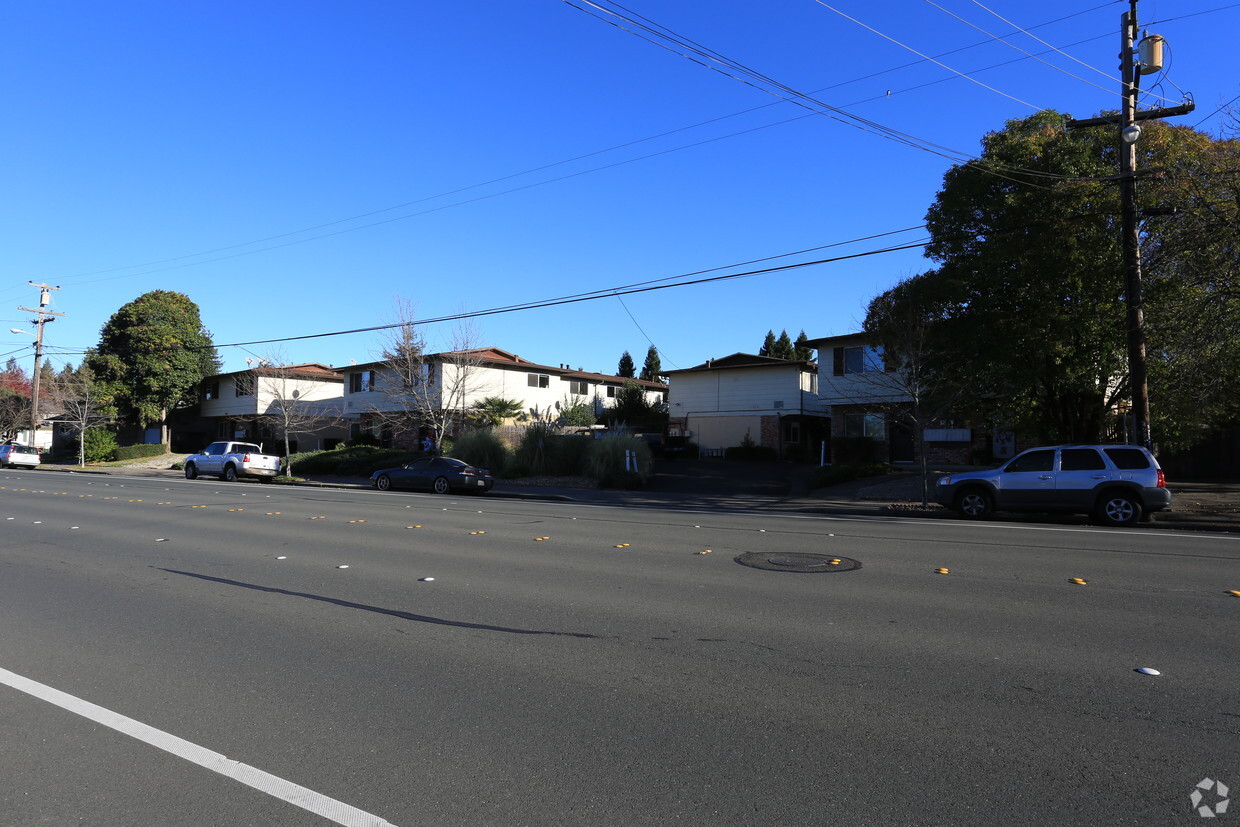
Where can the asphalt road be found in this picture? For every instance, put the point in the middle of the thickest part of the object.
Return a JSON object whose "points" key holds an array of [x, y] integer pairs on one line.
{"points": [[608, 673]]}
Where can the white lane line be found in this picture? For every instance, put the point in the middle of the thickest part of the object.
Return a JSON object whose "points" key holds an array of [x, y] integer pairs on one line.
{"points": [[294, 794]]}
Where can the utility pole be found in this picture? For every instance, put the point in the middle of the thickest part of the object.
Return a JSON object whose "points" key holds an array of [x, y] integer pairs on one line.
{"points": [[1138, 376], [1131, 70], [43, 317]]}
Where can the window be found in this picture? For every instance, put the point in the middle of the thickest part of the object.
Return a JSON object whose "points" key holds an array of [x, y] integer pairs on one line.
{"points": [[1081, 459], [539, 380], [211, 390], [362, 381], [792, 433], [858, 359], [867, 425], [578, 388], [1128, 459], [243, 385], [1032, 461], [611, 391]]}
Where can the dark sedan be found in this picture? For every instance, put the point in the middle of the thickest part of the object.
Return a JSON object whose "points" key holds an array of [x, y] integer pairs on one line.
{"points": [[438, 474]]}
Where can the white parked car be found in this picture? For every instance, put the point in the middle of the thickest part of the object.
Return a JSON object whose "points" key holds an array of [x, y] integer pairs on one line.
{"points": [[19, 456]]}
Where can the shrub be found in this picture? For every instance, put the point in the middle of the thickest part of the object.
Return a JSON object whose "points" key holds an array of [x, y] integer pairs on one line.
{"points": [[852, 450], [140, 451], [481, 448], [836, 474], [570, 454], [365, 465], [752, 453], [359, 460], [100, 445], [363, 439], [606, 460], [536, 448]]}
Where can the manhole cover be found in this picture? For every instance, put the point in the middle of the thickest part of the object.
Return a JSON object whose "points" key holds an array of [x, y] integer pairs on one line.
{"points": [[800, 563]]}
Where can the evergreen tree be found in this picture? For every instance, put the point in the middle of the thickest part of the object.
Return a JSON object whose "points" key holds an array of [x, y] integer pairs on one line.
{"points": [[802, 352], [653, 367], [626, 369], [768, 344], [783, 347]]}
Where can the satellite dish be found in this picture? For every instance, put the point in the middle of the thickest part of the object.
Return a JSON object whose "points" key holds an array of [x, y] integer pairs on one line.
{"points": [[352, 361], [249, 361]]}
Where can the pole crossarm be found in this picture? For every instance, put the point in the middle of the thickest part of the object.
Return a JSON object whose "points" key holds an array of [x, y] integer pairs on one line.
{"points": [[1145, 115]]}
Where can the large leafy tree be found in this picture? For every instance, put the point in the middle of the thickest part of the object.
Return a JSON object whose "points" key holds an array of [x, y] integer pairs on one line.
{"points": [[152, 355], [1027, 308], [1191, 248], [1030, 278]]}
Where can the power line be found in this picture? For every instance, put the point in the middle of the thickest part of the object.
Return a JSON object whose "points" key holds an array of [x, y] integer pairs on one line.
{"points": [[938, 63], [542, 168], [1024, 52]]}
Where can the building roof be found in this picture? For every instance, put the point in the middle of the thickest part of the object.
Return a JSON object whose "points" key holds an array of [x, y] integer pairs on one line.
{"points": [[306, 370], [495, 357], [745, 360], [832, 341]]}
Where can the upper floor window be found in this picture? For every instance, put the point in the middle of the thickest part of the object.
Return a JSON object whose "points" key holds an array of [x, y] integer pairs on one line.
{"points": [[539, 380], [857, 359], [361, 381], [211, 390], [243, 385], [611, 391], [578, 388]]}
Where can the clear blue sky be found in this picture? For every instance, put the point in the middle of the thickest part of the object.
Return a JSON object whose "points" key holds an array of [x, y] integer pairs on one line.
{"points": [[296, 167]]}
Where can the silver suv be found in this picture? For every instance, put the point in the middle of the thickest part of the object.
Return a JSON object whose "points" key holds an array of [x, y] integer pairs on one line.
{"points": [[1117, 484]]}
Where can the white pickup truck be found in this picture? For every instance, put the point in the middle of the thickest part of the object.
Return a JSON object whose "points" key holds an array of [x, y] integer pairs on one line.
{"points": [[229, 460]]}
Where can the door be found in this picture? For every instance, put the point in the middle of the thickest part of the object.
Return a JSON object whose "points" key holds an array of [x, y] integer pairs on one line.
{"points": [[900, 444], [1028, 482], [1081, 470]]}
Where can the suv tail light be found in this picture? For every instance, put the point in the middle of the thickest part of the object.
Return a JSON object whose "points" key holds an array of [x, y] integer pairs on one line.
{"points": [[245, 458], [1162, 479]]}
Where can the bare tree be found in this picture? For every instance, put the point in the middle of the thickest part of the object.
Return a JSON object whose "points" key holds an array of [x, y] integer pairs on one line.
{"points": [[422, 390], [293, 406], [75, 394]]}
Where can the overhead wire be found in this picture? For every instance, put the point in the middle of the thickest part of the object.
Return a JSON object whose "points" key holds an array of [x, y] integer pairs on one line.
{"points": [[1038, 58], [938, 63], [533, 170]]}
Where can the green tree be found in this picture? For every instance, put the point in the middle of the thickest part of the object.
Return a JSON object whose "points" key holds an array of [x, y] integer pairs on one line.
{"points": [[783, 347], [631, 408], [577, 413], [652, 369], [802, 352], [1030, 280], [768, 344], [152, 354], [626, 368]]}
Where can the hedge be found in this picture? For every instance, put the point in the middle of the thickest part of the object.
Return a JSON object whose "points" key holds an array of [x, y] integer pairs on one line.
{"points": [[140, 451]]}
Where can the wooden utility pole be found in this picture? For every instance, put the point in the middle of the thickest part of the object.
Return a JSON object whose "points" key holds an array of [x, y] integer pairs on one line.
{"points": [[43, 317], [1129, 132]]}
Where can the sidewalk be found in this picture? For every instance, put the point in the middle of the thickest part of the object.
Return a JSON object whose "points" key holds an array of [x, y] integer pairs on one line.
{"points": [[713, 485]]}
